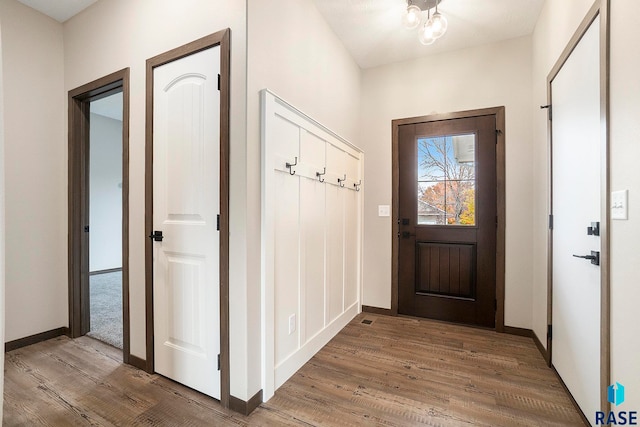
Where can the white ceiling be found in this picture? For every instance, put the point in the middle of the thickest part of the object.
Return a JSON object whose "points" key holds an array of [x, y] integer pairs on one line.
{"points": [[372, 31], [60, 10], [111, 106]]}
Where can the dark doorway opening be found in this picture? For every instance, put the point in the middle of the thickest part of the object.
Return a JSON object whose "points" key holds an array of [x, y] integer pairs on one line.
{"points": [[114, 87]]}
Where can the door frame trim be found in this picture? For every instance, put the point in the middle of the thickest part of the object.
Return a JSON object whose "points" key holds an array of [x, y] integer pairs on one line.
{"points": [[222, 39], [499, 113], [79, 100], [599, 8]]}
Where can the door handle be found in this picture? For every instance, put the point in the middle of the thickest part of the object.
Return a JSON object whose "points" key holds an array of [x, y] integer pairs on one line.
{"points": [[594, 257], [157, 236], [406, 235]]}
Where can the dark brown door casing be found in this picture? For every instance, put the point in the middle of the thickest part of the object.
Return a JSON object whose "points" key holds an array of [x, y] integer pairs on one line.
{"points": [[223, 39], [78, 181], [447, 220]]}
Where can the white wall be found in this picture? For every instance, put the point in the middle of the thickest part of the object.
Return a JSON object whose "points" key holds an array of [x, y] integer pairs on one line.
{"points": [[35, 174], [625, 152], [2, 232], [111, 35], [293, 52], [486, 76], [105, 193]]}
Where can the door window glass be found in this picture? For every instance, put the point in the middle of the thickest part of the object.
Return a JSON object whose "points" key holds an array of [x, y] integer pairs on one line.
{"points": [[447, 180]]}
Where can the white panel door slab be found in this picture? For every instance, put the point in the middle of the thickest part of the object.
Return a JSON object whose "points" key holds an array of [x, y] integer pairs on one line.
{"points": [[186, 195], [576, 203]]}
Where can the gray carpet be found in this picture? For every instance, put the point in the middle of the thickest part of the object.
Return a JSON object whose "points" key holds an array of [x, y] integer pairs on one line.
{"points": [[106, 307]]}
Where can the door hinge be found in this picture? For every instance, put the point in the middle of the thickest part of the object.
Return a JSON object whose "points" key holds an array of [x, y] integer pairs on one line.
{"points": [[549, 110], [218, 81], [218, 223], [86, 228], [218, 361], [550, 222], [549, 332], [498, 132]]}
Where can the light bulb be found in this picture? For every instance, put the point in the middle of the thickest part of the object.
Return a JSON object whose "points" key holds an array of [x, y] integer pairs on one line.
{"points": [[425, 35], [438, 24], [412, 17]]}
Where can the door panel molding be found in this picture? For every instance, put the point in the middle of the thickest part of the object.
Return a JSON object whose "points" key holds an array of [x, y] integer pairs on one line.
{"points": [[499, 113], [458, 274], [79, 100], [222, 39], [599, 8]]}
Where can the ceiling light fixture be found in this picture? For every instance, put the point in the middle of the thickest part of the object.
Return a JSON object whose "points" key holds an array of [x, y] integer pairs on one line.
{"points": [[412, 18], [434, 26]]}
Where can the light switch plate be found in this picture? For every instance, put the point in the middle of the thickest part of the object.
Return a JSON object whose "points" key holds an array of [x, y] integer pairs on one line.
{"points": [[384, 210], [292, 324], [620, 204]]}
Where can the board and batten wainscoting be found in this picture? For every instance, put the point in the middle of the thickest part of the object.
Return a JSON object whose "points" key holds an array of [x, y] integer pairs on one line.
{"points": [[312, 238]]}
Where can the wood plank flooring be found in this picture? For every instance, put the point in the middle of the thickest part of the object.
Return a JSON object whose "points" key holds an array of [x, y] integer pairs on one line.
{"points": [[392, 372]]}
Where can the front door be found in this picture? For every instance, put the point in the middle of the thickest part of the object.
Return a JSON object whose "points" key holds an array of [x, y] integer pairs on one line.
{"points": [[186, 194], [576, 211], [447, 220]]}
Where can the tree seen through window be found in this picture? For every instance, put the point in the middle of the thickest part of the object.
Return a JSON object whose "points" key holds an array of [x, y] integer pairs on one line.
{"points": [[446, 180]]}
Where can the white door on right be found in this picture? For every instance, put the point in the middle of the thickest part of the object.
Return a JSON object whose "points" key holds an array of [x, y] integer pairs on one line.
{"points": [[186, 204], [576, 190]]}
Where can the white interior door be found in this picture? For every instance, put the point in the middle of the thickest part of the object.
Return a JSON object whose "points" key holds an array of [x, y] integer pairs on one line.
{"points": [[186, 195], [576, 204]]}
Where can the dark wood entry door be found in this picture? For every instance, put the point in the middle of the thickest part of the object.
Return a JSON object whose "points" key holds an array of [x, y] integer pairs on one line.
{"points": [[447, 220]]}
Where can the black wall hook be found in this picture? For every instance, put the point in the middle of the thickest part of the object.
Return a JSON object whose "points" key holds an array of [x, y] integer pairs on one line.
{"points": [[290, 165]]}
